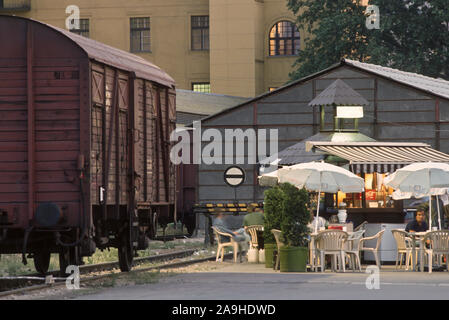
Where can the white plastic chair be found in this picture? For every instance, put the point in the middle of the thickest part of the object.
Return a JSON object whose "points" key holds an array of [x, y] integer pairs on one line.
{"points": [[361, 226], [253, 251], [252, 231], [352, 248], [222, 245], [375, 250], [277, 235], [439, 245], [404, 246], [331, 242]]}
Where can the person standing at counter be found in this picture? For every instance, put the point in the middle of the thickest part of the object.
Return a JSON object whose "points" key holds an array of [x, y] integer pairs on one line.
{"points": [[419, 224], [318, 222]]}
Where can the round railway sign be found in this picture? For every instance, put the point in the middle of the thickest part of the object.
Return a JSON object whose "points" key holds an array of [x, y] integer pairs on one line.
{"points": [[234, 176]]}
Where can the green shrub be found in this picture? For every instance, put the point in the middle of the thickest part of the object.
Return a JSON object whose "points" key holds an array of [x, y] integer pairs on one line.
{"points": [[295, 216], [273, 208]]}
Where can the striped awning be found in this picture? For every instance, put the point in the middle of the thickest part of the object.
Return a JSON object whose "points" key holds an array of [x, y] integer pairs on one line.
{"points": [[381, 157]]}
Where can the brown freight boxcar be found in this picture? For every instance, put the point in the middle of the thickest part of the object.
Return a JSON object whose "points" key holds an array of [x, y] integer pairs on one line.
{"points": [[84, 145]]}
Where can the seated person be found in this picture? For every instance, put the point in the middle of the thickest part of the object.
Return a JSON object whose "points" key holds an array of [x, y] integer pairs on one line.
{"points": [[253, 218], [239, 235], [319, 222], [418, 225]]}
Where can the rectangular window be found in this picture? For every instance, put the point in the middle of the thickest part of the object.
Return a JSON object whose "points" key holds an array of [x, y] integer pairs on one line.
{"points": [[200, 32], [377, 195], [140, 34], [201, 87], [83, 28]]}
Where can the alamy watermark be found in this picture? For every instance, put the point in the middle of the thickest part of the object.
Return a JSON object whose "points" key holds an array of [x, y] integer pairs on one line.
{"points": [[212, 146], [73, 20], [373, 280], [73, 280], [373, 19]]}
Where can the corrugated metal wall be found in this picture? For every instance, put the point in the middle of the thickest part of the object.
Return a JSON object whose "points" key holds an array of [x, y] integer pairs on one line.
{"points": [[396, 113]]}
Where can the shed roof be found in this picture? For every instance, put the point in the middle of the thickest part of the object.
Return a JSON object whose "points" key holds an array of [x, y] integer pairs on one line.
{"points": [[437, 87], [118, 58], [204, 103], [339, 93]]}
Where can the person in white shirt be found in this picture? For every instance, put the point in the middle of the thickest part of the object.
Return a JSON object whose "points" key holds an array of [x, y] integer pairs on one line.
{"points": [[319, 222]]}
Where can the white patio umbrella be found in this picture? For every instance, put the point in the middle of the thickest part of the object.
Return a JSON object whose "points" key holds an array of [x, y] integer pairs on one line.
{"points": [[398, 195], [269, 179], [318, 176], [420, 179]]}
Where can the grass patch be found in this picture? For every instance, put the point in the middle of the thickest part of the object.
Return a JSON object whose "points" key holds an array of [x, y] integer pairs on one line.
{"points": [[11, 264], [146, 277], [172, 229], [108, 282], [107, 255]]}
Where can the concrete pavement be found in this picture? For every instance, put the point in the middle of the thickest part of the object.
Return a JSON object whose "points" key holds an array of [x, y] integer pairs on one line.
{"points": [[255, 282]]}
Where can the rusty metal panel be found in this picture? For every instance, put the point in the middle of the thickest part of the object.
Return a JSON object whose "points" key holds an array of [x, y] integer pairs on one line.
{"points": [[97, 153], [97, 87], [171, 106], [40, 137], [58, 104], [30, 124], [138, 156]]}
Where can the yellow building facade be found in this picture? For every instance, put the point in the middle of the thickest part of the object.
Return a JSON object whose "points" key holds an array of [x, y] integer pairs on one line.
{"points": [[217, 45]]}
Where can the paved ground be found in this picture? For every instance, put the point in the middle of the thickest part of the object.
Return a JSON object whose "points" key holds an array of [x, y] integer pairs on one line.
{"points": [[248, 281]]}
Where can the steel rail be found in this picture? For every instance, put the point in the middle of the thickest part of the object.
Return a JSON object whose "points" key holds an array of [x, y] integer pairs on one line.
{"points": [[89, 268], [99, 277]]}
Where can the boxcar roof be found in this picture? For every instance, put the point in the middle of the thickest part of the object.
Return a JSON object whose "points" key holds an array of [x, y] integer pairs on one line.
{"points": [[115, 57]]}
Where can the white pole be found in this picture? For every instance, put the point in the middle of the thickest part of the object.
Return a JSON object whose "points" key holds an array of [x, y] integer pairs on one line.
{"points": [[318, 209], [439, 216], [430, 212], [430, 203]]}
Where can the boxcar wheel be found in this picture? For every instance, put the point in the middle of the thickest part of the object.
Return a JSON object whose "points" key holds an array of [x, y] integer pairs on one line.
{"points": [[125, 253], [42, 261]]}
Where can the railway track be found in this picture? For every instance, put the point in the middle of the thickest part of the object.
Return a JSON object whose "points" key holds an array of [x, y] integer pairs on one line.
{"points": [[30, 284]]}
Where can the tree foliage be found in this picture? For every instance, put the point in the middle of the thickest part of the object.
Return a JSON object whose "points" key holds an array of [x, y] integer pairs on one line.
{"points": [[413, 35], [295, 217], [273, 208]]}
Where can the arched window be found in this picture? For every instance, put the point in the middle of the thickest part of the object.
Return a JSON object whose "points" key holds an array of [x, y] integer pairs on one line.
{"points": [[284, 39]]}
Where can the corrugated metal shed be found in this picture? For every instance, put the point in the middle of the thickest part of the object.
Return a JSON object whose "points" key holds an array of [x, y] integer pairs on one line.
{"points": [[123, 60], [339, 93], [438, 87], [183, 118], [192, 106], [205, 103]]}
